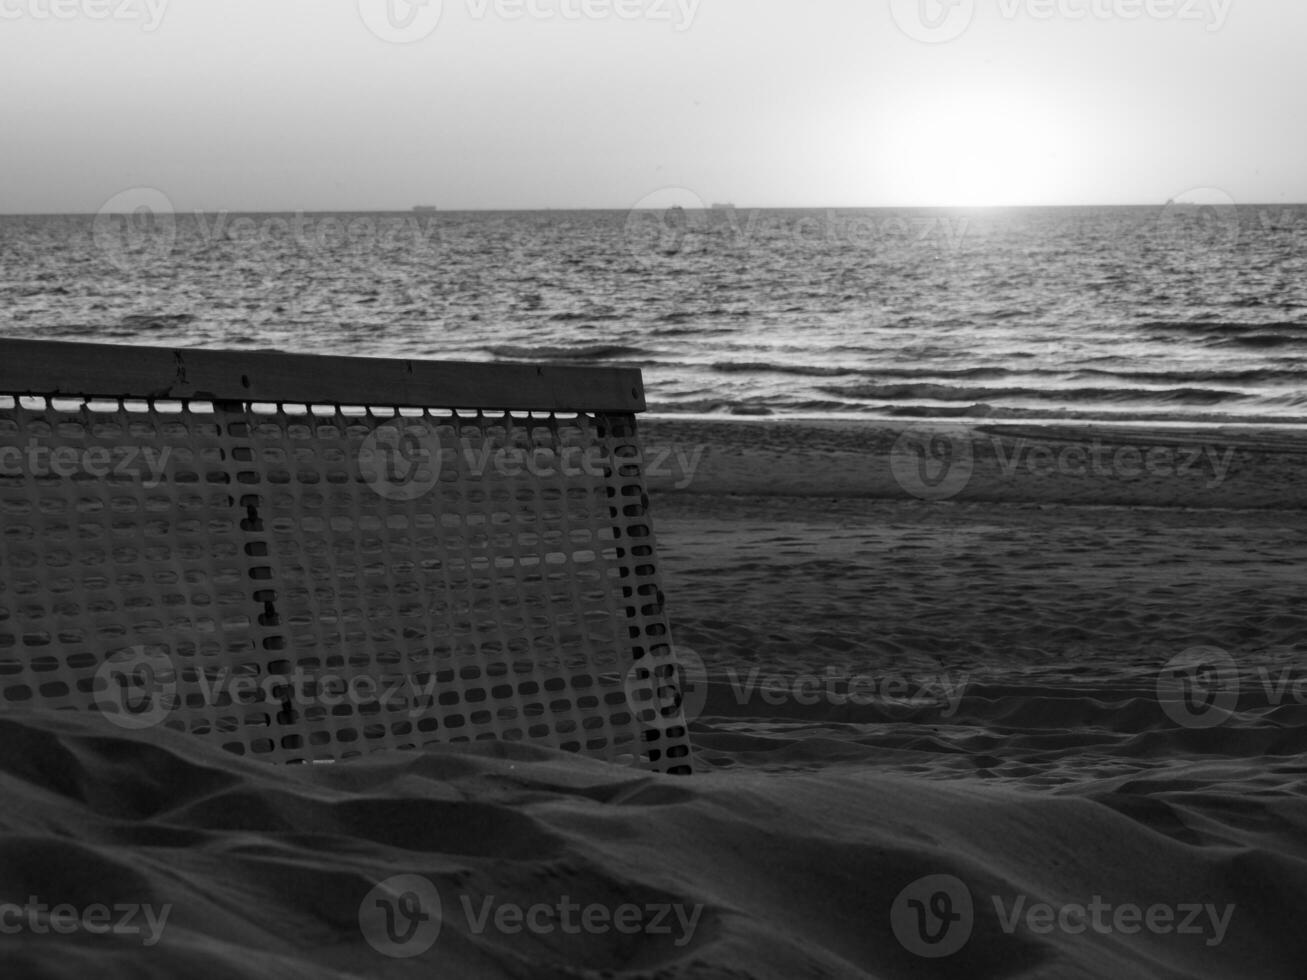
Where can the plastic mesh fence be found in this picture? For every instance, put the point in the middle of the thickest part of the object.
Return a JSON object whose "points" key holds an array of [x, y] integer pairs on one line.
{"points": [[307, 583]]}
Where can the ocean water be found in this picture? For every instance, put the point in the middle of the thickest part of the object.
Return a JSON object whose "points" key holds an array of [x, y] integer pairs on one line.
{"points": [[1176, 312]]}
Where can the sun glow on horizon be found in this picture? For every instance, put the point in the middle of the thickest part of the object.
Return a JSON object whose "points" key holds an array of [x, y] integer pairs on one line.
{"points": [[977, 149]]}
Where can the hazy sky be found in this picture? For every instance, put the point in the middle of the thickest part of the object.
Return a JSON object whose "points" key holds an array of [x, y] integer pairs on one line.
{"points": [[302, 104]]}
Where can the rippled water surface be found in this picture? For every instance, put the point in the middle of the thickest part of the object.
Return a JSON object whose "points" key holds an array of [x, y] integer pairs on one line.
{"points": [[1173, 312]]}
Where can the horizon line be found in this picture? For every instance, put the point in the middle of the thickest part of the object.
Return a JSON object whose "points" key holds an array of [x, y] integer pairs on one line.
{"points": [[728, 206]]}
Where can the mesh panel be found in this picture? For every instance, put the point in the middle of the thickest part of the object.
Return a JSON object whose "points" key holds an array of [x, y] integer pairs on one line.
{"points": [[306, 582]]}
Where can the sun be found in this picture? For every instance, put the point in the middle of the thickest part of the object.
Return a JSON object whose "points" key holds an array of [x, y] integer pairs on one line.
{"points": [[973, 149]]}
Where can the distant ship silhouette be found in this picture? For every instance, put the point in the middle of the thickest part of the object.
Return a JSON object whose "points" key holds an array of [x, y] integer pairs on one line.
{"points": [[425, 207]]}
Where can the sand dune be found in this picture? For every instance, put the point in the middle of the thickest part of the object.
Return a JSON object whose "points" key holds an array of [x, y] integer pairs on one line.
{"points": [[263, 871]]}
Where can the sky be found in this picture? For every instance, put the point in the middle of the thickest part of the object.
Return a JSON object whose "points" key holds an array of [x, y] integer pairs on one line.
{"points": [[286, 105]]}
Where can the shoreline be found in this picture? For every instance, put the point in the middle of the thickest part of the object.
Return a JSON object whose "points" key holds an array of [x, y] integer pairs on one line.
{"points": [[1160, 421], [1237, 467]]}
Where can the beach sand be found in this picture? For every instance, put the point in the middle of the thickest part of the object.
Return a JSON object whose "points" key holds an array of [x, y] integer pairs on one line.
{"points": [[935, 739]]}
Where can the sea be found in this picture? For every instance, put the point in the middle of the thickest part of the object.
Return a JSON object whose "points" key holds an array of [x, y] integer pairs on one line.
{"points": [[1175, 313]]}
